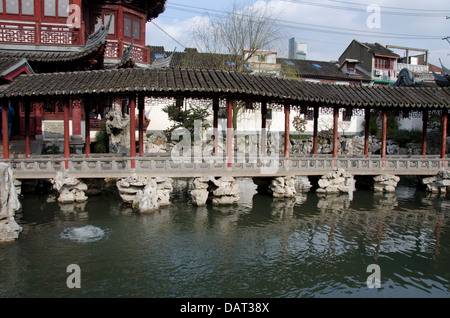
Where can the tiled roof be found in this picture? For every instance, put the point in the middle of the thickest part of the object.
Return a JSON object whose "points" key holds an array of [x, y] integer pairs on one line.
{"points": [[318, 69], [378, 49], [209, 83]]}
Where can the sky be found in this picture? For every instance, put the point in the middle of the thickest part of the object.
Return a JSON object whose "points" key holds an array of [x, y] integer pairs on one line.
{"points": [[326, 26]]}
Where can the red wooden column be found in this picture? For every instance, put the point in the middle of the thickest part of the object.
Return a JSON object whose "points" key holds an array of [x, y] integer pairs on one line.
{"points": [[384, 116], [287, 139], [315, 130], [5, 137], [38, 111], [366, 132], [27, 106], [263, 127], [141, 106], [76, 117], [335, 131], [424, 132], [87, 129], [229, 131], [216, 125], [66, 132], [444, 132], [133, 129]]}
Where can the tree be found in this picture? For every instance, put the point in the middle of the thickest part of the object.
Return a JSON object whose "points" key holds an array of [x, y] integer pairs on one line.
{"points": [[186, 118], [239, 33]]}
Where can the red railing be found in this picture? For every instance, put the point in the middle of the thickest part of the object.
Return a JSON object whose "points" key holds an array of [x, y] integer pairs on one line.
{"points": [[140, 53], [12, 32]]}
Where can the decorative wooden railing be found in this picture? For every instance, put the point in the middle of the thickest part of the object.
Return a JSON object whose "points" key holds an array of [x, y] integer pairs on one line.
{"points": [[34, 33], [139, 54]]}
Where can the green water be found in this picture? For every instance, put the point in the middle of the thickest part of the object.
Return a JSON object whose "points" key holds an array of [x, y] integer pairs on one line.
{"points": [[308, 247]]}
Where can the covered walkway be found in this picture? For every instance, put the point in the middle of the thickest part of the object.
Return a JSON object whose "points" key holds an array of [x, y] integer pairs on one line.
{"points": [[133, 85]]}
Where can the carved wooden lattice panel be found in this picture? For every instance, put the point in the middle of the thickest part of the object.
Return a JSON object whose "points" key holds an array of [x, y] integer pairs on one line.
{"points": [[17, 34]]}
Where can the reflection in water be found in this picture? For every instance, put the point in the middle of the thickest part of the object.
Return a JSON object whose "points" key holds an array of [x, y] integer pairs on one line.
{"points": [[309, 246]]}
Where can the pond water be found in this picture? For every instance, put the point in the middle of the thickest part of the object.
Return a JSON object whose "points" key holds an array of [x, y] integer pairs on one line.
{"points": [[310, 246]]}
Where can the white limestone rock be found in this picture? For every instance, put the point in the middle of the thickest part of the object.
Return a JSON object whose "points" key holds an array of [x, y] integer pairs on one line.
{"points": [[70, 188], [385, 183], [9, 205], [336, 182]]}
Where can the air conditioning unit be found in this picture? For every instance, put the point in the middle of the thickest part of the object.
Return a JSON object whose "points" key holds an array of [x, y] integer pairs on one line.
{"points": [[377, 72]]}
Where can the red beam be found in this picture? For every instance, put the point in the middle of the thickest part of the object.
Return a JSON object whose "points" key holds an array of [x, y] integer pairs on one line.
{"points": [[316, 130], [141, 106], [5, 139], [444, 133], [87, 130], [229, 131], [133, 129], [366, 132], [424, 132], [263, 126], [66, 132], [27, 130], [384, 117], [335, 131], [216, 125], [287, 112]]}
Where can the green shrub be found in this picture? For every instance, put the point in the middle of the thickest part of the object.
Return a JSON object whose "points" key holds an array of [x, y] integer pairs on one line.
{"points": [[402, 137]]}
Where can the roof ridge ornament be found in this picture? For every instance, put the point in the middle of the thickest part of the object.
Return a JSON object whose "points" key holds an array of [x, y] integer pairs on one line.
{"points": [[99, 36]]}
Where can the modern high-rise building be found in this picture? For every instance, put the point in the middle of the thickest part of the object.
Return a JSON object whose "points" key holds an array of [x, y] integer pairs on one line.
{"points": [[297, 50]]}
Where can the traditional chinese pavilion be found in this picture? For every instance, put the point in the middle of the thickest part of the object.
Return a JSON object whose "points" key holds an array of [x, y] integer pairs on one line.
{"points": [[48, 36]]}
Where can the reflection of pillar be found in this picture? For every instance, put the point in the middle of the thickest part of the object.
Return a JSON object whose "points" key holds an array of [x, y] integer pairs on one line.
{"points": [[424, 132], [315, 130], [216, 125], [66, 132], [229, 130], [141, 106], [384, 116], [444, 132], [335, 131], [366, 132], [133, 129], [87, 129], [5, 137], [27, 129], [287, 141]]}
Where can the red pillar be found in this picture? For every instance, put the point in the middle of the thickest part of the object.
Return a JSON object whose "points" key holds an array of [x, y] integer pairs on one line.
{"points": [[216, 125], [27, 129], [133, 129], [366, 132], [38, 110], [5, 139], [424, 132], [315, 130], [66, 132], [384, 116], [87, 129], [287, 140], [141, 106], [335, 131], [229, 131], [76, 117], [444, 132]]}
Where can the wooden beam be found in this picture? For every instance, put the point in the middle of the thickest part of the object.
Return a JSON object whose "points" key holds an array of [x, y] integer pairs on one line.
{"points": [[316, 131], [66, 111], [366, 132], [444, 133], [263, 127], [216, 125], [5, 135], [287, 141], [230, 102], [87, 129], [424, 132], [384, 116], [26, 106], [335, 131], [132, 106], [141, 106]]}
